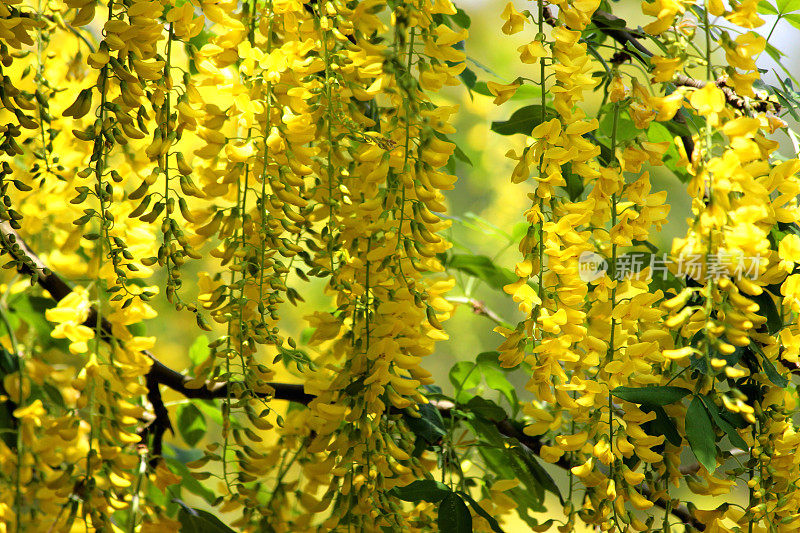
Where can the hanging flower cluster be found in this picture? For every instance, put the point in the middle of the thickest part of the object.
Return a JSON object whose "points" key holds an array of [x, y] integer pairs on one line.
{"points": [[613, 349], [288, 141], [245, 161]]}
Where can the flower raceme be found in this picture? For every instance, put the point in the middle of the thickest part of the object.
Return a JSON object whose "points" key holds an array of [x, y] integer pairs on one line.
{"points": [[279, 146]]}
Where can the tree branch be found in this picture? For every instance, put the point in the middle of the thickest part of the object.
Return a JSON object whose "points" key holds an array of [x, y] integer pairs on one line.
{"points": [[609, 25]]}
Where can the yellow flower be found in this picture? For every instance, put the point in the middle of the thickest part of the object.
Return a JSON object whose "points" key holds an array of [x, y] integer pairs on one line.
{"points": [[69, 316], [745, 14], [664, 68], [709, 102], [33, 413], [617, 90], [502, 92], [531, 52], [515, 21], [665, 11], [747, 45]]}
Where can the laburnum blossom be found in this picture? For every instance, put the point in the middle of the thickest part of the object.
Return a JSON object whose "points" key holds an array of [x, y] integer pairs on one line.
{"points": [[69, 316], [664, 68], [665, 12], [514, 20]]}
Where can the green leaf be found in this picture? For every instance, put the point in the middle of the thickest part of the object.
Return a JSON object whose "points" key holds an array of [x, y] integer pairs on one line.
{"points": [[469, 78], [700, 434], [429, 426], [211, 410], [768, 310], [733, 435], [486, 408], [651, 395], [454, 516], [461, 18], [191, 424], [662, 425], [774, 53], [626, 129], [787, 6], [793, 19], [199, 350], [426, 490], [766, 8], [483, 268], [461, 156], [199, 521], [528, 498], [487, 430], [769, 368], [523, 120], [482, 512], [53, 395], [542, 477], [463, 376], [495, 376]]}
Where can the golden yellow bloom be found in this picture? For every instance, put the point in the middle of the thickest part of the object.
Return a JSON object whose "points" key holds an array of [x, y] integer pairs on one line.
{"points": [[514, 20]]}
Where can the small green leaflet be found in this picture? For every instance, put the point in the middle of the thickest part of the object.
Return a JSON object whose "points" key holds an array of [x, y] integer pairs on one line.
{"points": [[496, 376], [768, 310], [454, 516], [191, 424], [769, 368], [199, 350], [781, 7], [199, 521], [662, 425], [651, 395], [429, 426], [483, 268], [426, 490], [700, 434], [626, 129], [542, 477], [523, 120], [464, 376], [724, 425], [765, 8], [486, 409], [482, 512]]}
